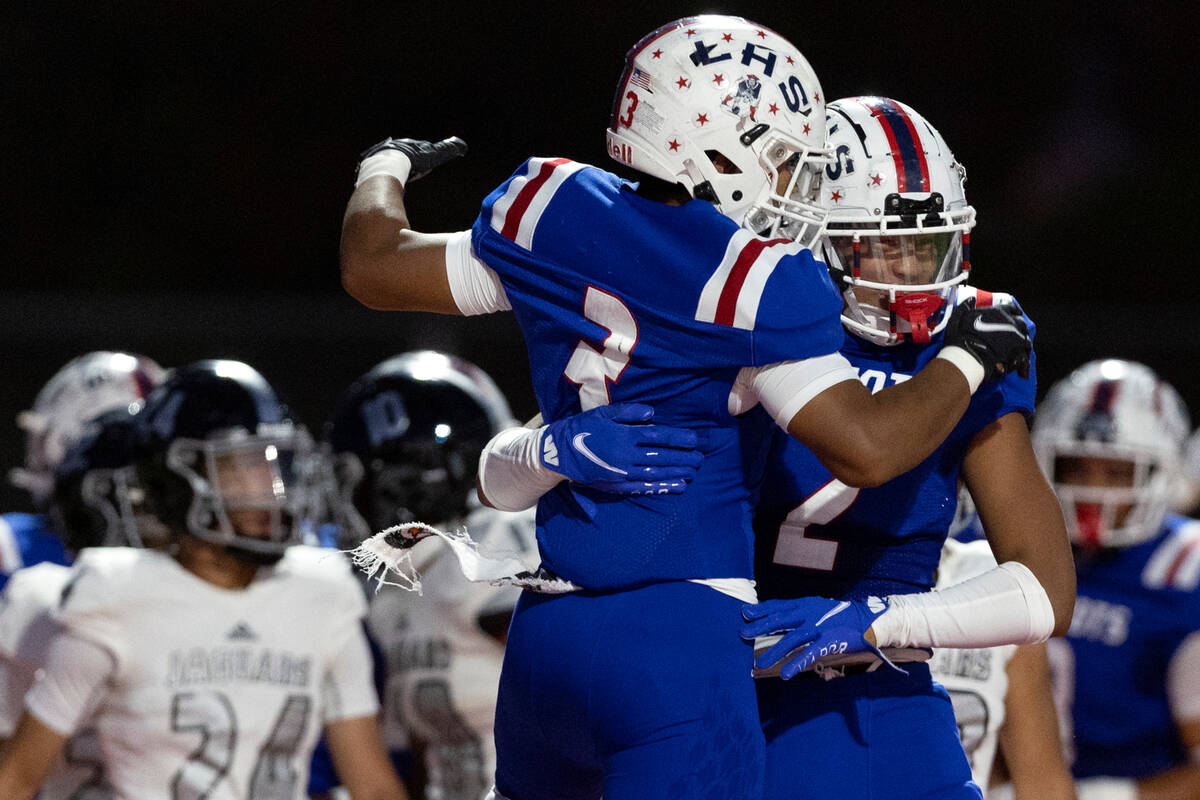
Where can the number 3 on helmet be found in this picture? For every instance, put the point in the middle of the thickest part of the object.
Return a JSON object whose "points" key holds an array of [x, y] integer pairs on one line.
{"points": [[725, 107]]}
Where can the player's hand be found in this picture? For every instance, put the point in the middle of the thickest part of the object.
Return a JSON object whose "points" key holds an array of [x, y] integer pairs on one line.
{"points": [[812, 628], [614, 449], [425, 156], [996, 336]]}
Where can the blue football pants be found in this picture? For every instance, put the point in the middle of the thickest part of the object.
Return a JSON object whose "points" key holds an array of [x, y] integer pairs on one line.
{"points": [[872, 736], [628, 695]]}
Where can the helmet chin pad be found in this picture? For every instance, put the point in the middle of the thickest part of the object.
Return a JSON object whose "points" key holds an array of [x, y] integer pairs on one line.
{"points": [[917, 308]]}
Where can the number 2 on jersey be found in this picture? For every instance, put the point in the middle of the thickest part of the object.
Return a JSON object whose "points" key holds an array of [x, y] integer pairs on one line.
{"points": [[593, 370], [793, 548]]}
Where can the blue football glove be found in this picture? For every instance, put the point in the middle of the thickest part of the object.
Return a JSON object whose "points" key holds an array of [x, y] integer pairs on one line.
{"points": [[613, 449], [812, 628]]}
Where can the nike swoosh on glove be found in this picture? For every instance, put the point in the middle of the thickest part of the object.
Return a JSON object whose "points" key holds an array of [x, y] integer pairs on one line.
{"points": [[425, 156], [996, 336], [812, 627], [615, 449]]}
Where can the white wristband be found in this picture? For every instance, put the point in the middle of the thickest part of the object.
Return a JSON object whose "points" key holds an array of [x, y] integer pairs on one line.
{"points": [[385, 162], [511, 475], [967, 364]]}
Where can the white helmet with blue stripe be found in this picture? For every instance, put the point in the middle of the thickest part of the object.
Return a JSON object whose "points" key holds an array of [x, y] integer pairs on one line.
{"points": [[898, 236], [1110, 439]]}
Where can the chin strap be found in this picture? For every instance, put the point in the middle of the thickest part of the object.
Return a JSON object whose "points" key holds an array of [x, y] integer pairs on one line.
{"points": [[917, 308]]}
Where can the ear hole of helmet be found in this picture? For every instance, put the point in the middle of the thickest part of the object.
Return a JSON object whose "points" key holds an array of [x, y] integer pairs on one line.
{"points": [[168, 496], [722, 163]]}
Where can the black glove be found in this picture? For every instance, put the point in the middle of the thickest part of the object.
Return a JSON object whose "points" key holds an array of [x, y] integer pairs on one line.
{"points": [[997, 336], [425, 156]]}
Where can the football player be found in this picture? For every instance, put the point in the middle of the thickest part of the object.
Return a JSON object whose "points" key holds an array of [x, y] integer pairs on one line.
{"points": [[92, 506], [896, 243], [207, 671], [406, 439], [661, 292], [1127, 676], [84, 389]]}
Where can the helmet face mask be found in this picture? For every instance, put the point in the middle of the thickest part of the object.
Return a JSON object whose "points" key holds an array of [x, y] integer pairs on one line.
{"points": [[720, 105], [1109, 438], [247, 490], [899, 223], [219, 458], [404, 442]]}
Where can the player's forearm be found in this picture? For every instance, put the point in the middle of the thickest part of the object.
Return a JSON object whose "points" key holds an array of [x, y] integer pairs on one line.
{"points": [[28, 758], [871, 439], [1005, 605]]}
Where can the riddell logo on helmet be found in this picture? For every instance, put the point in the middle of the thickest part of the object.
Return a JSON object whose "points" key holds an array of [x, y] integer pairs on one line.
{"points": [[621, 152]]}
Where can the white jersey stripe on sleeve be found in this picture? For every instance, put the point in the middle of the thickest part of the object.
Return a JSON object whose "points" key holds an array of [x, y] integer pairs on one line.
{"points": [[706, 309], [515, 215], [733, 292], [1176, 561], [756, 281]]}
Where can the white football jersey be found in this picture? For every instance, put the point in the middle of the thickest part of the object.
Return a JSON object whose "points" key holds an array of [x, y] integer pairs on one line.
{"points": [[217, 693], [26, 630], [443, 670], [976, 679]]}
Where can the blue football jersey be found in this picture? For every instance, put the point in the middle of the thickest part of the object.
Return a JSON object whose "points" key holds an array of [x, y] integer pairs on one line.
{"points": [[622, 299], [25, 540], [817, 536], [1135, 606]]}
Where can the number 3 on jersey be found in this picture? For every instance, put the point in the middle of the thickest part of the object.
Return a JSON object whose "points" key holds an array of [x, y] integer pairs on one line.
{"points": [[794, 549], [593, 370]]}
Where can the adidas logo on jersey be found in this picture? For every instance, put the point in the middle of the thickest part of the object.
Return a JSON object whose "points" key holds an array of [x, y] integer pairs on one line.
{"points": [[242, 632], [549, 450]]}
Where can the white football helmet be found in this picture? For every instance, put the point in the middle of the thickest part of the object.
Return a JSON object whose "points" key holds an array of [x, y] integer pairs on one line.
{"points": [[1118, 410], [86, 388], [899, 223], [722, 105]]}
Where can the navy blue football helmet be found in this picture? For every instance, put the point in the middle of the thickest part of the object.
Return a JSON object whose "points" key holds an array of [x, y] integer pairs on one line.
{"points": [[93, 498], [220, 457], [405, 440]]}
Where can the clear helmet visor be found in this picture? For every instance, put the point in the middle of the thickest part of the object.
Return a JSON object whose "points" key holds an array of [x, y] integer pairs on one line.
{"points": [[902, 260], [895, 284], [251, 492]]}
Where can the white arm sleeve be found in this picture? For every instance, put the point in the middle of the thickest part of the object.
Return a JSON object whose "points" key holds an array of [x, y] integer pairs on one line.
{"points": [[1005, 605], [349, 683], [511, 475], [67, 689], [1183, 683], [786, 387], [476, 286]]}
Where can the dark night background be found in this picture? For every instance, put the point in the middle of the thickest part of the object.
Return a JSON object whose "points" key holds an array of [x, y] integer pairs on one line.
{"points": [[175, 172]]}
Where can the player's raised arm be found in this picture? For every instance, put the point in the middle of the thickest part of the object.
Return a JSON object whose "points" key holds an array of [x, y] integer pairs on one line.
{"points": [[385, 264], [867, 439]]}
